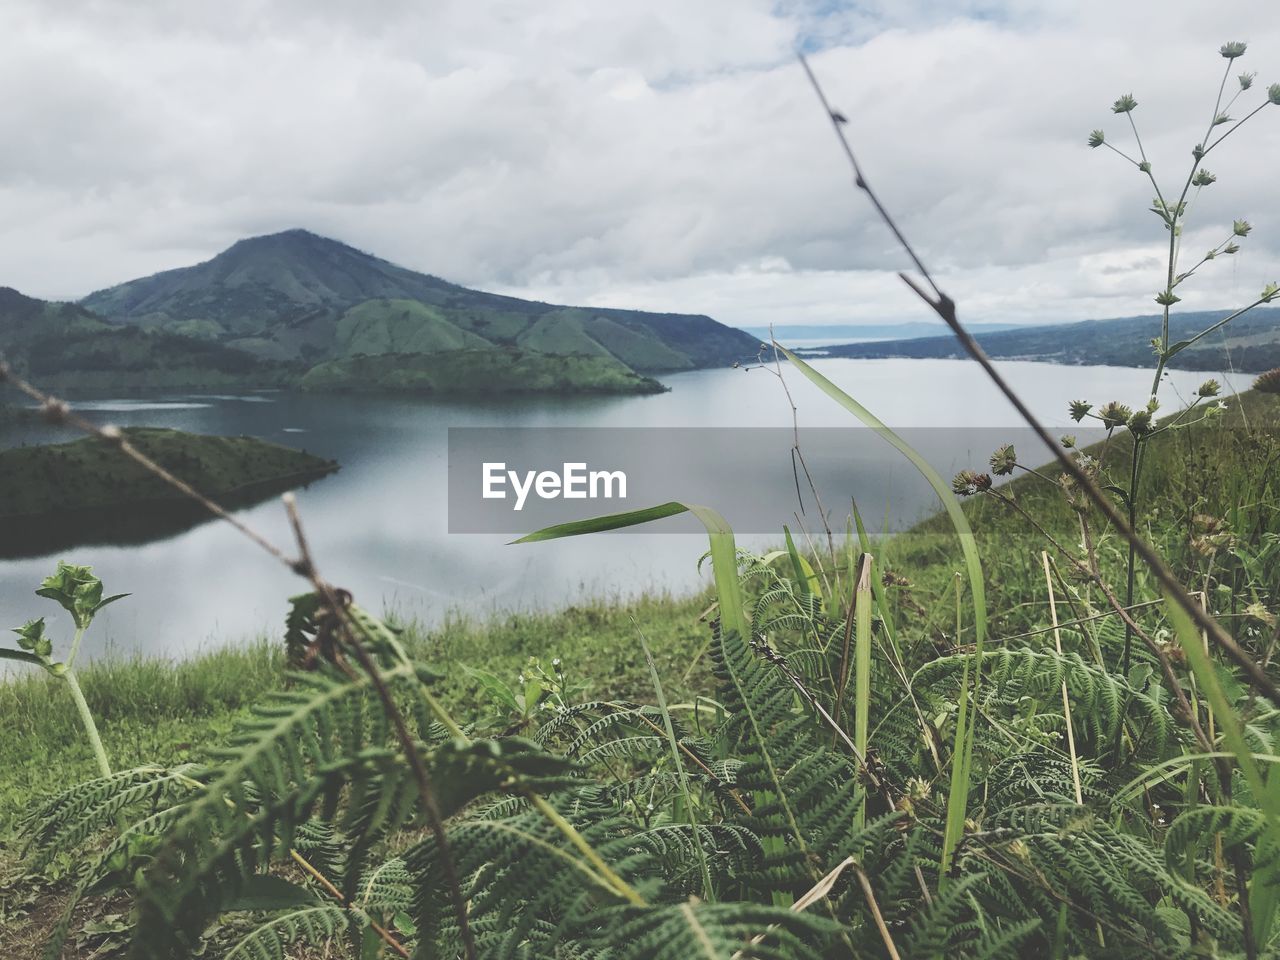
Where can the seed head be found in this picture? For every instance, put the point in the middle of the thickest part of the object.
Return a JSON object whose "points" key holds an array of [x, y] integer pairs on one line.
{"points": [[1145, 166], [1246, 80], [1125, 104], [1167, 298], [1210, 388], [1241, 228], [1004, 460], [1273, 93], [1231, 248], [1080, 409], [1067, 440], [1268, 382], [1269, 292], [966, 483], [1139, 422], [1233, 49], [1114, 414], [1097, 138], [1203, 178], [1198, 151]]}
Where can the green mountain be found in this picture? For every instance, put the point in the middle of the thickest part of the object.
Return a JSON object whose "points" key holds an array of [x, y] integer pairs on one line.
{"points": [[297, 296], [1249, 344], [64, 344]]}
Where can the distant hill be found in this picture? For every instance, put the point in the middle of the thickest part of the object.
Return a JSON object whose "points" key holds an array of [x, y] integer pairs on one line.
{"points": [[64, 344], [1250, 344], [860, 332], [295, 296]]}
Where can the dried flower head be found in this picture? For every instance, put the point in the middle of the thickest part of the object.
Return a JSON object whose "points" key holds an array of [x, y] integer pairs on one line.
{"points": [[1210, 388], [1259, 612], [1114, 414], [1139, 422], [1241, 228], [1097, 138], [1246, 80], [1068, 440], [966, 483], [1268, 382], [1231, 248], [1203, 178], [1125, 104], [891, 579], [1004, 460], [1080, 409], [1273, 93], [1233, 49], [1212, 534]]}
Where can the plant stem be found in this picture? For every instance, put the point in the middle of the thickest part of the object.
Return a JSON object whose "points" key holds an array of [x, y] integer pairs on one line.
{"points": [[86, 717], [75, 646]]}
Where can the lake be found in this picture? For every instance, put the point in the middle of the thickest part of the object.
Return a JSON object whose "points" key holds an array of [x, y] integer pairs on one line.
{"points": [[379, 527]]}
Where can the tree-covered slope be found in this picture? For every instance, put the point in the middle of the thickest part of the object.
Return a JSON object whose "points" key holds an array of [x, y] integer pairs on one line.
{"points": [[1250, 343], [291, 294], [487, 372], [65, 345]]}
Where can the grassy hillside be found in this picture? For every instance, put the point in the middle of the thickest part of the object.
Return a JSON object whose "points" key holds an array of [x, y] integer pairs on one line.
{"points": [[1250, 343], [486, 372], [291, 295], [64, 345]]}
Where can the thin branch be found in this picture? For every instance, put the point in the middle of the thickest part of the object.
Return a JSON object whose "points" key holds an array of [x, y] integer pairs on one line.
{"points": [[945, 308]]}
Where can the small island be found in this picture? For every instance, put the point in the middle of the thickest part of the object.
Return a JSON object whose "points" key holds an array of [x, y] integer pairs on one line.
{"points": [[57, 495]]}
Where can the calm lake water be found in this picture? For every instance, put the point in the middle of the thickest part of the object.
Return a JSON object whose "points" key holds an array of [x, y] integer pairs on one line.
{"points": [[379, 527]]}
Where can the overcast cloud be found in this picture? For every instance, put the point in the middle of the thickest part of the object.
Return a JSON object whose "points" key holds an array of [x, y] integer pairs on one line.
{"points": [[662, 154]]}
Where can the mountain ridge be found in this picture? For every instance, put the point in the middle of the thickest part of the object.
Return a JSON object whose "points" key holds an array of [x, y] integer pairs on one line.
{"points": [[1248, 344], [288, 294]]}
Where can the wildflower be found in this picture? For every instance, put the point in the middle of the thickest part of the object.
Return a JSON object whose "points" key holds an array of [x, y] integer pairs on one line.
{"points": [[1003, 460], [1125, 104], [1114, 414], [1203, 178], [1067, 440], [1097, 138], [1080, 409], [1241, 228], [1210, 388], [1273, 93], [968, 482], [1220, 119], [1198, 151], [1233, 49], [1167, 298], [1145, 166], [1231, 248], [1268, 382], [1246, 80], [1269, 292]]}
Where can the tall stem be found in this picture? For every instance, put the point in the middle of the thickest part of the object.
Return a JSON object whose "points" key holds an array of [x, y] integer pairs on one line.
{"points": [[75, 646], [1135, 477], [86, 717]]}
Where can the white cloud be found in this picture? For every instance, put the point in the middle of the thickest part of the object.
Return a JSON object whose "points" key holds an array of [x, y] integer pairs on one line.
{"points": [[657, 154]]}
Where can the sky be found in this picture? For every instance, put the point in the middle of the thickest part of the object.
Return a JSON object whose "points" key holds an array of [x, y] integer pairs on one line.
{"points": [[664, 154]]}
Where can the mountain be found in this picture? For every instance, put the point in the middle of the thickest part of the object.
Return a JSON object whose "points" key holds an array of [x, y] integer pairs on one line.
{"points": [[861, 332], [1249, 344], [297, 296], [64, 344]]}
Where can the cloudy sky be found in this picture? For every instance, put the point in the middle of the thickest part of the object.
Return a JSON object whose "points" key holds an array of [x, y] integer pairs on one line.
{"points": [[663, 154]]}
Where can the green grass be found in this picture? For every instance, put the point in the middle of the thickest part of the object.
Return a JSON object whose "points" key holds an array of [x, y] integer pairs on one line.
{"points": [[164, 711]]}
